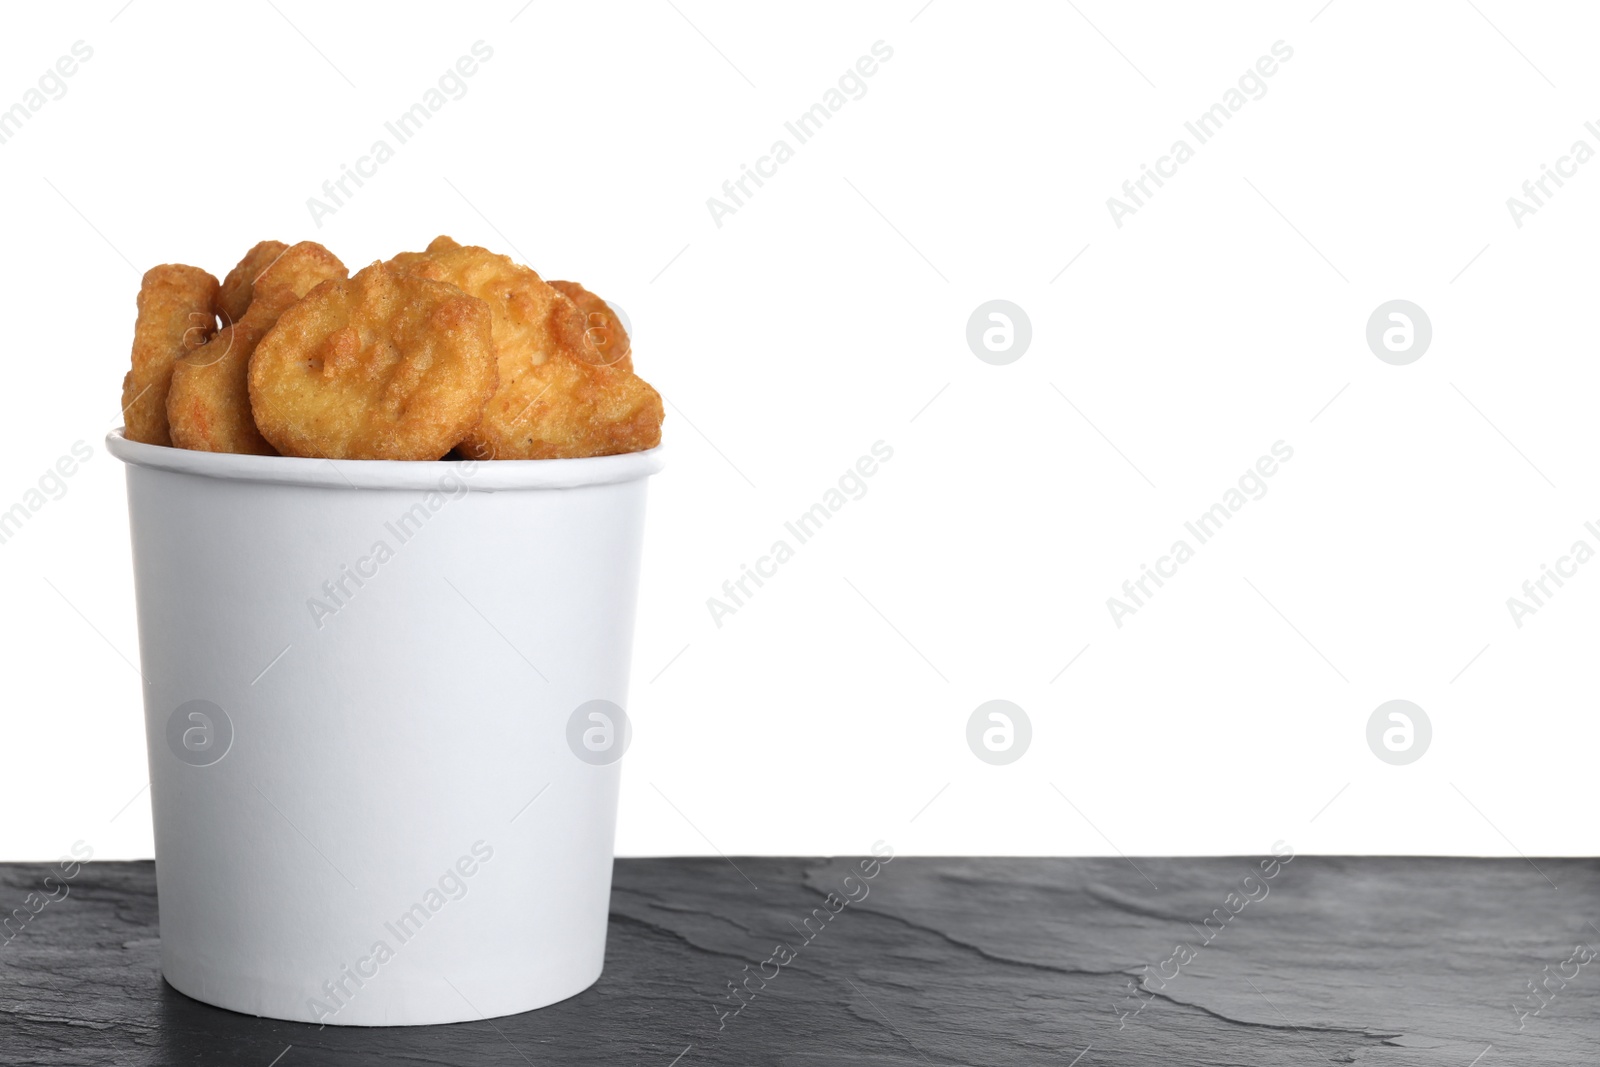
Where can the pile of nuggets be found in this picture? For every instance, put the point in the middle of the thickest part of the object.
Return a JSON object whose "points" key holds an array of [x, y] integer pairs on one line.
{"points": [[453, 349]]}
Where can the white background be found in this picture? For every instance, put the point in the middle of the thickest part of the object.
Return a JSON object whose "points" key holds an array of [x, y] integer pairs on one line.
{"points": [[829, 313]]}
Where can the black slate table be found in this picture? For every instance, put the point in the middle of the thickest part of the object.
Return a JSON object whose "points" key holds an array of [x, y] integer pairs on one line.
{"points": [[1372, 961]]}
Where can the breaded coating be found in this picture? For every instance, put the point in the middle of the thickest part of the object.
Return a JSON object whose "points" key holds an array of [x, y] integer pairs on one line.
{"points": [[177, 313], [566, 408], [208, 407], [552, 402], [605, 339], [383, 366], [234, 298]]}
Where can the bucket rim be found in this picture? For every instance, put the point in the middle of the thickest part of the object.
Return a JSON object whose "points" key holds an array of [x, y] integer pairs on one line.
{"points": [[475, 475]]}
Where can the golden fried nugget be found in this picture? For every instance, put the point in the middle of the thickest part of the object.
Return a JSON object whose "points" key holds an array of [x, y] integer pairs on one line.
{"points": [[234, 298], [566, 408], [208, 407], [384, 366], [177, 312], [552, 403], [438, 245], [605, 339]]}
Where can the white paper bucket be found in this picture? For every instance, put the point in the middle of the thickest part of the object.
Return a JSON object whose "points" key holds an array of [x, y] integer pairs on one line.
{"points": [[383, 708]]}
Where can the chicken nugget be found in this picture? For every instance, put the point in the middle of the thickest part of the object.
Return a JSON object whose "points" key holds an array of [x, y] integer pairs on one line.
{"points": [[177, 312], [566, 408], [552, 403], [605, 340], [208, 407], [385, 365], [234, 298]]}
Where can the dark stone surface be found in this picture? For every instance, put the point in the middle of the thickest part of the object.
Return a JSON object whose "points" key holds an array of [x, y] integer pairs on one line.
{"points": [[1374, 961]]}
